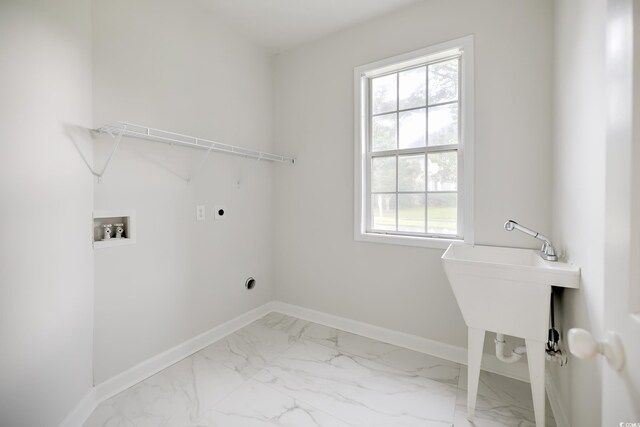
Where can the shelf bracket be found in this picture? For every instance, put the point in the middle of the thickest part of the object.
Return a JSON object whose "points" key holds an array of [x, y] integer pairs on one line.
{"points": [[116, 144], [200, 163], [240, 178]]}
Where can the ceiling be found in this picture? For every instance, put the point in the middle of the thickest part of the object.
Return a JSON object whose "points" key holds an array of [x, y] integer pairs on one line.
{"points": [[279, 25]]}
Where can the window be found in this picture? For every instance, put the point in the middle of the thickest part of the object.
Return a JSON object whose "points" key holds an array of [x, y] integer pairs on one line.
{"points": [[413, 147]]}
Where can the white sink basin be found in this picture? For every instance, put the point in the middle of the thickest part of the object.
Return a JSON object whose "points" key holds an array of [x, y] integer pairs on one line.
{"points": [[507, 291], [519, 265]]}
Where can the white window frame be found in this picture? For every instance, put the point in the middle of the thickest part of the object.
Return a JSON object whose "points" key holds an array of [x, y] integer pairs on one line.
{"points": [[362, 75]]}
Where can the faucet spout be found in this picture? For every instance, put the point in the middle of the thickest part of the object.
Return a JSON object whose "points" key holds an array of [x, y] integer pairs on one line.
{"points": [[548, 252]]}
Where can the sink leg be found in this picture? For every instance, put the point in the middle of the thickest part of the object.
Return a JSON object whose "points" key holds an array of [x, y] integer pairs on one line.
{"points": [[474, 358], [535, 356]]}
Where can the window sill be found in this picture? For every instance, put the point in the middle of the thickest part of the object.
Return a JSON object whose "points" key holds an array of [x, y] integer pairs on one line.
{"points": [[423, 242]]}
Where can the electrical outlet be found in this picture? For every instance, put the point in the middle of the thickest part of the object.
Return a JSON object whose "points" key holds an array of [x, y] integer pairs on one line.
{"points": [[220, 212], [200, 212]]}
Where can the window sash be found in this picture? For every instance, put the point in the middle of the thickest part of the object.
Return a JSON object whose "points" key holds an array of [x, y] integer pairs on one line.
{"points": [[370, 154], [426, 192]]}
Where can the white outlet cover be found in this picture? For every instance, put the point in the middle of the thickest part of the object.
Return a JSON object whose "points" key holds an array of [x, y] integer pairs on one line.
{"points": [[220, 212], [200, 212]]}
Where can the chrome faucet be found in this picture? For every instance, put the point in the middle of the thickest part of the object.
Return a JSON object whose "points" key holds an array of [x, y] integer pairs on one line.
{"points": [[547, 252]]}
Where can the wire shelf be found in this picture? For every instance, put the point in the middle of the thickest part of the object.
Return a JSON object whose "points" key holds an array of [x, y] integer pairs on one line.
{"points": [[158, 135]]}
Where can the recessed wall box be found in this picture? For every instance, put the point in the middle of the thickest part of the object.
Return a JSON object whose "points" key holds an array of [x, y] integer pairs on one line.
{"points": [[122, 229]]}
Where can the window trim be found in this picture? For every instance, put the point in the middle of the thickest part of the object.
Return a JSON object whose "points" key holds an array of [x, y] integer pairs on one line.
{"points": [[464, 47]]}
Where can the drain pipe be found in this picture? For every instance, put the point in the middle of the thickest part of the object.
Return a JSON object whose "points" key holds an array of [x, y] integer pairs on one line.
{"points": [[515, 355]]}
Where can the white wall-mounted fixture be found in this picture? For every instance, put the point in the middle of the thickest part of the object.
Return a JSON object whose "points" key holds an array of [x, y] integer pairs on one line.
{"points": [[220, 212], [584, 346], [120, 220], [506, 290]]}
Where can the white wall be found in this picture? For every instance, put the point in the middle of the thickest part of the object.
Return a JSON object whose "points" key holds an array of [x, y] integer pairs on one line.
{"points": [[579, 155], [46, 260], [318, 264], [170, 64]]}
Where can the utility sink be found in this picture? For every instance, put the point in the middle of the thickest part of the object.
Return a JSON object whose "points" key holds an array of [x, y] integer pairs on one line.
{"points": [[507, 291]]}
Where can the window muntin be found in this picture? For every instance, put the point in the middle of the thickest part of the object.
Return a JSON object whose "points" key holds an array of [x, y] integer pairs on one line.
{"points": [[413, 149]]}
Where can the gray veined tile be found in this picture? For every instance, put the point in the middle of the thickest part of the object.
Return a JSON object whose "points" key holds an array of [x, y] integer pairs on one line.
{"points": [[256, 405], [499, 387], [495, 413], [175, 396], [292, 326], [179, 394], [248, 350], [251, 348], [106, 415], [410, 361], [357, 390]]}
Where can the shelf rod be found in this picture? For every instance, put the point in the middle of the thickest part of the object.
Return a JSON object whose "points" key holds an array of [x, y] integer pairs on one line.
{"points": [[158, 135]]}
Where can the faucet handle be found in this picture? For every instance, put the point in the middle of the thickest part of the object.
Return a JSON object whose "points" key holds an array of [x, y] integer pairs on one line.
{"points": [[548, 252]]}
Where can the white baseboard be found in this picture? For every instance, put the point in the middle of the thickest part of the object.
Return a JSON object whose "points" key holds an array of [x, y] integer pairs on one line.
{"points": [[557, 406], [454, 353], [155, 364], [82, 411]]}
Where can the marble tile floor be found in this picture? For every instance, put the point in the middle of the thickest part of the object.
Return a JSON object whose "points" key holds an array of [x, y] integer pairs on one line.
{"points": [[283, 371]]}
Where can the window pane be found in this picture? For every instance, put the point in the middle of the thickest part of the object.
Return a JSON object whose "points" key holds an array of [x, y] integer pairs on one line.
{"points": [[443, 171], [413, 125], [442, 213], [384, 132], [383, 174], [411, 173], [383, 211], [411, 212], [443, 124], [443, 82], [384, 94], [412, 88]]}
